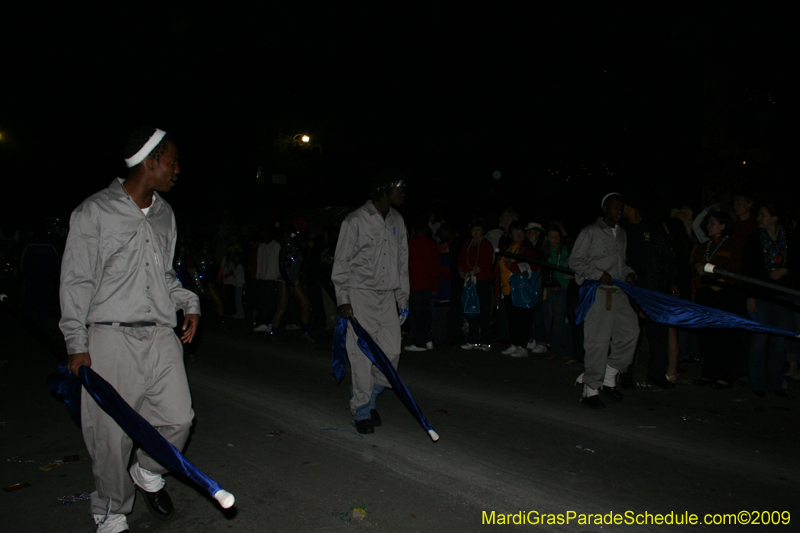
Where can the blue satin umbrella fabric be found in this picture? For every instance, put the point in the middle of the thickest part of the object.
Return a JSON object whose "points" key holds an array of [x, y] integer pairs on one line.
{"points": [[672, 311], [64, 383], [379, 359]]}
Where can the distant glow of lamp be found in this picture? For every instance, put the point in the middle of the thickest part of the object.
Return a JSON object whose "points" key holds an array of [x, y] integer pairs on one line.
{"points": [[303, 137]]}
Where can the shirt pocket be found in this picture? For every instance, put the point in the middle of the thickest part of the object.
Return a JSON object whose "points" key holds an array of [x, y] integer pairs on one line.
{"points": [[163, 245], [120, 251], [600, 250], [369, 239]]}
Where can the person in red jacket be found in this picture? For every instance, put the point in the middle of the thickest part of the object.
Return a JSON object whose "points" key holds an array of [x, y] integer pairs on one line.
{"points": [[423, 276], [476, 264]]}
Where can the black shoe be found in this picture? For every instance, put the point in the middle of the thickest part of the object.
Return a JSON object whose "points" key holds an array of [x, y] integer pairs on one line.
{"points": [[365, 426], [612, 393], [593, 402], [158, 503], [376, 418], [660, 382]]}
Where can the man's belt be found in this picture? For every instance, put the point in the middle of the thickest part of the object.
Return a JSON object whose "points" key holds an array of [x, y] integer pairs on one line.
{"points": [[609, 292], [127, 324]]}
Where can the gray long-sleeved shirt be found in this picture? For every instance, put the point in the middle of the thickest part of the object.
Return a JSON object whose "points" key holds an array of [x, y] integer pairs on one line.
{"points": [[597, 250], [117, 266], [372, 253]]}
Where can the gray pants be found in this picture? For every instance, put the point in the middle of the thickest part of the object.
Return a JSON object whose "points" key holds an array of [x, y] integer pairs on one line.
{"points": [[145, 365], [617, 326], [376, 311]]}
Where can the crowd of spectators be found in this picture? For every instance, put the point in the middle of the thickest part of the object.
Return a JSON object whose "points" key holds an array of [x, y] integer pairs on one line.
{"points": [[668, 250], [276, 277]]}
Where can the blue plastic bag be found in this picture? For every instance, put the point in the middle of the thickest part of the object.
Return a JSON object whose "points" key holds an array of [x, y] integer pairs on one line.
{"points": [[524, 289], [470, 305]]}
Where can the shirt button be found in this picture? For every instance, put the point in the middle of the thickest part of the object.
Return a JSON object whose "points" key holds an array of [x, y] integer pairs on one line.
{"points": [[147, 264], [147, 240], [148, 287]]}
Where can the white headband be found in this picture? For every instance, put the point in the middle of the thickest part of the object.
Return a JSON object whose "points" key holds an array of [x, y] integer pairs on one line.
{"points": [[145, 150], [603, 201]]}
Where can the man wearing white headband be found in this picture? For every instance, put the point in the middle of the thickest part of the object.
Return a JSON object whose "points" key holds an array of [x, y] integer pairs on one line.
{"points": [[599, 254], [370, 274], [119, 298]]}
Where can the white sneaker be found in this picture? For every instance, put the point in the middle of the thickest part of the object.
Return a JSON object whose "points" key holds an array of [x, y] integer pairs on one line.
{"points": [[412, 348], [468, 346], [530, 345], [521, 352], [510, 350], [539, 348], [111, 523], [263, 327], [429, 345], [485, 347]]}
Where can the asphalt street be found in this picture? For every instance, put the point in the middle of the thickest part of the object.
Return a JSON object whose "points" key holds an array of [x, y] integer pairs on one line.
{"points": [[273, 427]]}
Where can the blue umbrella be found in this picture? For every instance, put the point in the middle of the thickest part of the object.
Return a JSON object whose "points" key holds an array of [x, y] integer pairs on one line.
{"points": [[379, 359], [672, 311], [64, 383]]}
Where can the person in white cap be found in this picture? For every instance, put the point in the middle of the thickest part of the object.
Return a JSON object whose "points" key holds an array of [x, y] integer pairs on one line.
{"points": [[599, 254], [119, 298]]}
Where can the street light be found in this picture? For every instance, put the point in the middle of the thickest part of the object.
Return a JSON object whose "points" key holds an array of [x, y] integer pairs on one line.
{"points": [[303, 137]]}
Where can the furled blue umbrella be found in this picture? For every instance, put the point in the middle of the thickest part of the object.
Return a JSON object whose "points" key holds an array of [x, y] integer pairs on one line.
{"points": [[672, 311], [64, 383], [379, 359]]}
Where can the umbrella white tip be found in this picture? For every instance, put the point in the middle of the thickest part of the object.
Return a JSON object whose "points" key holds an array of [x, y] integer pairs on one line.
{"points": [[434, 435], [224, 498], [708, 267]]}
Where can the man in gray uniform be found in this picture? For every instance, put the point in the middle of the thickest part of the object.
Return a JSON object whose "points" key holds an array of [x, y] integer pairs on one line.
{"points": [[599, 254], [370, 274], [119, 298]]}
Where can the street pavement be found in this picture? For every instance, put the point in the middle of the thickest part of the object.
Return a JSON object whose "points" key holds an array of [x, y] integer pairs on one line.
{"points": [[273, 427]]}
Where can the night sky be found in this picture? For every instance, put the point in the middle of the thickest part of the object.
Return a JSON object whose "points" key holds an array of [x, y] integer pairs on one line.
{"points": [[566, 102]]}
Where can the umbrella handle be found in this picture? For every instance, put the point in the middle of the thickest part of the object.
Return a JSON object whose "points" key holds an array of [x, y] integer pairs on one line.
{"points": [[434, 435], [224, 498]]}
